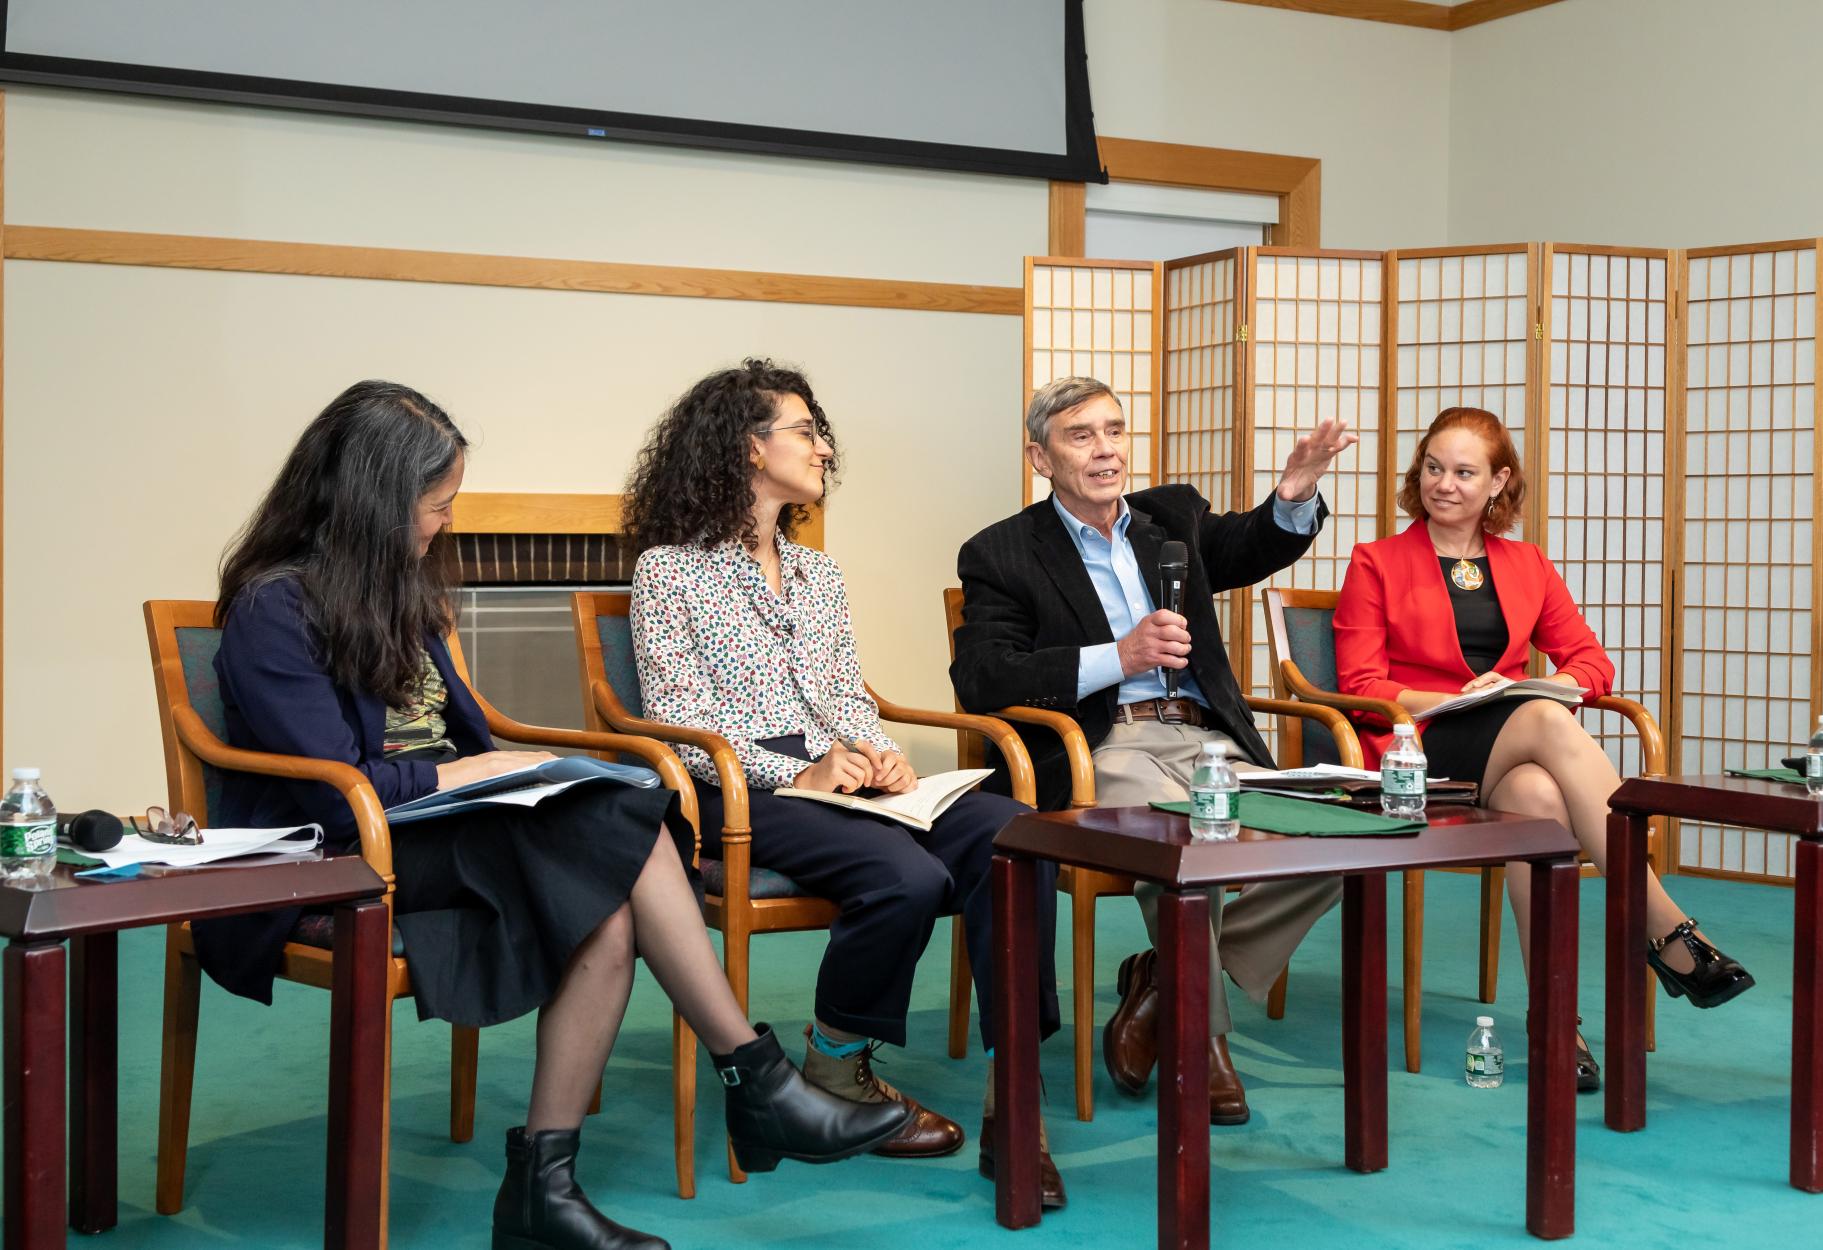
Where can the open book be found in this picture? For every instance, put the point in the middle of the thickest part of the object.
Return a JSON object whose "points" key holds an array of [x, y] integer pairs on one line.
{"points": [[918, 807], [1506, 690], [523, 787]]}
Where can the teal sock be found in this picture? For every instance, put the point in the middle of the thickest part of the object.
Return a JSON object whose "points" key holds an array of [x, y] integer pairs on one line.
{"points": [[829, 1046]]}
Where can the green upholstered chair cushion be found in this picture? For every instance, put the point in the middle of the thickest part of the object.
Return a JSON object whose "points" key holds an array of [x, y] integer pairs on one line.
{"points": [[616, 634], [761, 882], [196, 648], [1311, 637]]}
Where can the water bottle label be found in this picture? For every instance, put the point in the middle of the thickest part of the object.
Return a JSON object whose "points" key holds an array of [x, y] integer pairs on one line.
{"points": [[1813, 765], [1213, 805], [1485, 1065], [22, 841], [1402, 781]]}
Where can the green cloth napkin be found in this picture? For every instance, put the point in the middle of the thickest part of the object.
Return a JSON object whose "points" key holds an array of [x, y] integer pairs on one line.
{"points": [[1274, 813], [1769, 774]]}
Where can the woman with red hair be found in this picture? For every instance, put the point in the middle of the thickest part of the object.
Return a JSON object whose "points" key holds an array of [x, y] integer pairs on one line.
{"points": [[1448, 606]]}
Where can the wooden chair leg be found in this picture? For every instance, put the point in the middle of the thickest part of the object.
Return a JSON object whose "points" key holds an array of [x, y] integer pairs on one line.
{"points": [[1414, 969], [386, 1133], [1275, 998], [959, 987], [734, 959], [464, 1058], [1493, 905], [1082, 996], [177, 1070], [683, 1104]]}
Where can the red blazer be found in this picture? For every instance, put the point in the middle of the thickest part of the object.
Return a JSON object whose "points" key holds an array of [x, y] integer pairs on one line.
{"points": [[1395, 629]]}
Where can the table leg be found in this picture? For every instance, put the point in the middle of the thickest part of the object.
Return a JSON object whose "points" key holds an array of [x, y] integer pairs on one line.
{"points": [[94, 1081], [1807, 1023], [34, 994], [1016, 1184], [1551, 1052], [1183, 1070], [1625, 1078], [1364, 1021], [354, 1216]]}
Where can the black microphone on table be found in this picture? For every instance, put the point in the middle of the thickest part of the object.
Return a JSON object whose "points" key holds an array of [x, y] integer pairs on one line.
{"points": [[1173, 572], [94, 831]]}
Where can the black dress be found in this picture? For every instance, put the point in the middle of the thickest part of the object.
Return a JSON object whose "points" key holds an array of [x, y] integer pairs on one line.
{"points": [[1457, 745]]}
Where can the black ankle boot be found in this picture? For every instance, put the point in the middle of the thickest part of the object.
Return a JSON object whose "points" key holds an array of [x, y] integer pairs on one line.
{"points": [[1713, 980], [774, 1113], [540, 1206]]}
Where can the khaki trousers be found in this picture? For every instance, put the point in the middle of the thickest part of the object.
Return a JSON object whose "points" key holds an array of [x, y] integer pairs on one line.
{"points": [[1252, 938]]}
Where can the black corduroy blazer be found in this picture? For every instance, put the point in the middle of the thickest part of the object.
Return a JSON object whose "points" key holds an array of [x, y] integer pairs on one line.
{"points": [[1029, 608]]}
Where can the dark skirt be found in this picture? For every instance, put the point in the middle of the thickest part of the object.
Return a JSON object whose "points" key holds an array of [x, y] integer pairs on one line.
{"points": [[493, 902], [1457, 746]]}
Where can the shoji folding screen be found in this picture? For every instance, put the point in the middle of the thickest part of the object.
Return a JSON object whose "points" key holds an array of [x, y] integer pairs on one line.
{"points": [[1095, 318], [1749, 612]]}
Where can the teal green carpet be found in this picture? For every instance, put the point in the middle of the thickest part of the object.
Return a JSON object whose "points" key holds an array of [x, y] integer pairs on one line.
{"points": [[1709, 1170]]}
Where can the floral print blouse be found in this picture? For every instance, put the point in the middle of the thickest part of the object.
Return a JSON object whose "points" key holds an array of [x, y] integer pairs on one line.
{"points": [[717, 649]]}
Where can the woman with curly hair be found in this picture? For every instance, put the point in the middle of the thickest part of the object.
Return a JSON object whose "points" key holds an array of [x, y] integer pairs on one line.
{"points": [[741, 631], [1448, 606], [335, 602]]}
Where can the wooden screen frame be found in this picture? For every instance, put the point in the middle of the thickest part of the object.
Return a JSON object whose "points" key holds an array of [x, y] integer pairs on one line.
{"points": [[1157, 270]]}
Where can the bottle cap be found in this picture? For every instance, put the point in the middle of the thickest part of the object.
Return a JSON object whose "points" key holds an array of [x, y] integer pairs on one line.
{"points": [[1404, 729], [1215, 747], [26, 774], [1484, 1022]]}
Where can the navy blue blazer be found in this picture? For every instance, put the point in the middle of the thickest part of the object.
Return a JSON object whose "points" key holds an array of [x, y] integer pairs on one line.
{"points": [[278, 696]]}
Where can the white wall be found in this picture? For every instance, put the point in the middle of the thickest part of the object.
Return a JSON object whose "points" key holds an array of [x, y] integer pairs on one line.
{"points": [[1663, 123], [1369, 99]]}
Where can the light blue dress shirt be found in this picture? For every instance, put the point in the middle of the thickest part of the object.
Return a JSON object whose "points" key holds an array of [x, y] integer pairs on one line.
{"points": [[1127, 600]]}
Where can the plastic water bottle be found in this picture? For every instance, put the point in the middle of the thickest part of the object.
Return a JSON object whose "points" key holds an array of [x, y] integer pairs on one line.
{"points": [[1402, 776], [28, 831], [1486, 1064], [1813, 761], [1215, 796]]}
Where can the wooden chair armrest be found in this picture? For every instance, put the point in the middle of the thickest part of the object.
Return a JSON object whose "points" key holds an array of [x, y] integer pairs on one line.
{"points": [[1005, 738], [728, 771], [1076, 747], [1651, 740], [1348, 746], [1298, 684], [349, 781]]}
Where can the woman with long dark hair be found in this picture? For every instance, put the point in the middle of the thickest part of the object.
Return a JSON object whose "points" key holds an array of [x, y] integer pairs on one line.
{"points": [[335, 601], [739, 630]]}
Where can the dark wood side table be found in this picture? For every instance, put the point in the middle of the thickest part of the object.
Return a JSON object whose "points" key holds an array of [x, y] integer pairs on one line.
{"points": [[89, 915], [1770, 805], [1156, 846]]}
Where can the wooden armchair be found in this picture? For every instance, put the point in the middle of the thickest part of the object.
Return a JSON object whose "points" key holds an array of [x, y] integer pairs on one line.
{"points": [[184, 642], [1085, 885], [741, 899], [1299, 623]]}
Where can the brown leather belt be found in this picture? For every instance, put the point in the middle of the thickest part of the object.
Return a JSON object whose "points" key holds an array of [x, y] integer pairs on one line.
{"points": [[1168, 711]]}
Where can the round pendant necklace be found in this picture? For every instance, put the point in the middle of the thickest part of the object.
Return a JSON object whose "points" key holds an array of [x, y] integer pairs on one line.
{"points": [[1466, 573]]}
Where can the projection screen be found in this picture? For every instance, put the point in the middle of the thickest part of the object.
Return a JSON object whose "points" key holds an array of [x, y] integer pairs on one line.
{"points": [[998, 87]]}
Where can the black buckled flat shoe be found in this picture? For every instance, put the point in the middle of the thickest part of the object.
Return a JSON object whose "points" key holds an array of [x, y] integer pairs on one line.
{"points": [[1713, 980], [1588, 1072]]}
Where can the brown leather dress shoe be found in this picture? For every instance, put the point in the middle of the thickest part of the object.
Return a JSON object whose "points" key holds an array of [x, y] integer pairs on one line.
{"points": [[926, 1134], [1129, 1041], [1227, 1100], [1050, 1182]]}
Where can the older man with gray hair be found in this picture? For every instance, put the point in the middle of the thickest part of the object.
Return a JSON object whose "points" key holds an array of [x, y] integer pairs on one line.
{"points": [[1059, 612]]}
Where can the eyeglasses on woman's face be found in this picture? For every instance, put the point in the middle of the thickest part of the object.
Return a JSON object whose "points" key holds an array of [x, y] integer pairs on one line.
{"points": [[808, 429]]}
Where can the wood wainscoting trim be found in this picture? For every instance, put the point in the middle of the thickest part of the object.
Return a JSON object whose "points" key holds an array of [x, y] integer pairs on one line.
{"points": [[329, 260], [518, 512]]}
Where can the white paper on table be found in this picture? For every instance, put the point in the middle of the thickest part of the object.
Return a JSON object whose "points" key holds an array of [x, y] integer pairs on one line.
{"points": [[217, 844], [1315, 772]]}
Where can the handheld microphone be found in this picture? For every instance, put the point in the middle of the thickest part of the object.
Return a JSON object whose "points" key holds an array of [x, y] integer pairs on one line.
{"points": [[1173, 571], [94, 831]]}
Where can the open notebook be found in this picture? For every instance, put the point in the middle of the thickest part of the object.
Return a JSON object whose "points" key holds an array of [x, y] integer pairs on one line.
{"points": [[918, 807], [1506, 690]]}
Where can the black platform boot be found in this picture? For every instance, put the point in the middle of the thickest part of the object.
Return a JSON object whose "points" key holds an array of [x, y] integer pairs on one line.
{"points": [[540, 1206], [774, 1113]]}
